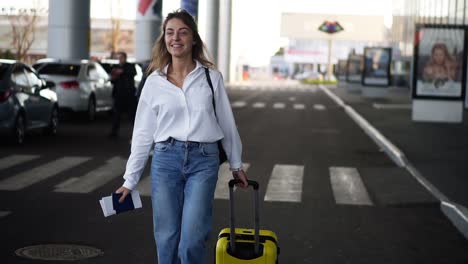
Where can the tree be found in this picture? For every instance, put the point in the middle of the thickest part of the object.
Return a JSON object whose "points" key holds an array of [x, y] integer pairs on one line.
{"points": [[115, 34], [23, 28]]}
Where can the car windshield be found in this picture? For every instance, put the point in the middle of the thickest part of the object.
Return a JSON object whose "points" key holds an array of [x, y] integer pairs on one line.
{"points": [[107, 67], [60, 69], [4, 70]]}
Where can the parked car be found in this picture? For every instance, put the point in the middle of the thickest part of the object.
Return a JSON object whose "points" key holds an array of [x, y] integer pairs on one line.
{"points": [[108, 65], [27, 102], [309, 75], [81, 85]]}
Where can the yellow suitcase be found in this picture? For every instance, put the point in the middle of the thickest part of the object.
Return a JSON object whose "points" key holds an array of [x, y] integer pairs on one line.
{"points": [[249, 246]]}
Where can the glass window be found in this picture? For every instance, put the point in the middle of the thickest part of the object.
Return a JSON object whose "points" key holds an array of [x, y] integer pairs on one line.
{"points": [[92, 72], [101, 72], [18, 77], [60, 69], [34, 81], [4, 71]]}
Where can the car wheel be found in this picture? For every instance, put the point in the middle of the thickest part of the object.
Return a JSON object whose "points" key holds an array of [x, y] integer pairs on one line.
{"points": [[53, 123], [19, 130], [91, 109]]}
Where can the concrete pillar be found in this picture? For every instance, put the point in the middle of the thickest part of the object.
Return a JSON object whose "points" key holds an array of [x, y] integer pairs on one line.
{"points": [[69, 29], [147, 28], [212, 28], [224, 40]]}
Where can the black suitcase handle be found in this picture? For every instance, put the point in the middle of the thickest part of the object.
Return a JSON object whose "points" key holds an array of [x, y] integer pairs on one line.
{"points": [[232, 241], [233, 182]]}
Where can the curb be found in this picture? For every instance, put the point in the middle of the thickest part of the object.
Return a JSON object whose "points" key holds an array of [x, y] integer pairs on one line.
{"points": [[456, 213]]}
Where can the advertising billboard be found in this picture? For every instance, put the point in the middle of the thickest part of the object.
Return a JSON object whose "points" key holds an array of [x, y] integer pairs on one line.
{"points": [[341, 70], [377, 66], [439, 70], [354, 68]]}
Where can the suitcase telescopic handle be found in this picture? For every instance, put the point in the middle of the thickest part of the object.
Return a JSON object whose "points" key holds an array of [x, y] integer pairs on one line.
{"points": [[255, 186], [233, 182]]}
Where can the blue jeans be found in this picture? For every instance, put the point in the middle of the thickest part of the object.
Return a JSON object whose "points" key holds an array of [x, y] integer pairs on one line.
{"points": [[183, 181]]}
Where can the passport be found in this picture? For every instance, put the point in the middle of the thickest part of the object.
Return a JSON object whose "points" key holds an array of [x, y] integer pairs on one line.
{"points": [[110, 204]]}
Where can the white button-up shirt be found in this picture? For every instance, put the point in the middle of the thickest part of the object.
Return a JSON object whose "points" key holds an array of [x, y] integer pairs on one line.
{"points": [[185, 114]]}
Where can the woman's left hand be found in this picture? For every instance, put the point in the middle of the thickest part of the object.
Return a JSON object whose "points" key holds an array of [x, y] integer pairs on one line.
{"points": [[240, 175]]}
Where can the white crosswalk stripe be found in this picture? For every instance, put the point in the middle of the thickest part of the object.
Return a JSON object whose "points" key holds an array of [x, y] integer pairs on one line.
{"points": [[14, 160], [285, 183], [144, 186], [259, 105], [348, 187], [238, 104], [299, 106], [4, 213], [319, 107], [224, 176], [113, 168], [40, 173], [279, 105]]}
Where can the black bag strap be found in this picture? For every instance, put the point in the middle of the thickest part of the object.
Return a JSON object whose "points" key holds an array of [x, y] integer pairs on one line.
{"points": [[207, 73]]}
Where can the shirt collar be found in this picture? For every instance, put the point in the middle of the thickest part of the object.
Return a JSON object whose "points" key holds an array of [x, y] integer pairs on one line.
{"points": [[197, 65]]}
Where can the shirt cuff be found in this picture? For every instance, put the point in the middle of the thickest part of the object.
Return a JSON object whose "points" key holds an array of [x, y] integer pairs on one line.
{"points": [[235, 167], [127, 184]]}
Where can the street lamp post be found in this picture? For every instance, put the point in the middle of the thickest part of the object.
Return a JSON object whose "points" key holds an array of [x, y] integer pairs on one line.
{"points": [[330, 28]]}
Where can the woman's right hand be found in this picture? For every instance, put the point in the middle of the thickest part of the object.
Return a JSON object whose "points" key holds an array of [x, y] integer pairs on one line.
{"points": [[124, 191]]}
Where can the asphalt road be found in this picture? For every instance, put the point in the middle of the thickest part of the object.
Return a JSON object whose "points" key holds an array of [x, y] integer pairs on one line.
{"points": [[330, 194]]}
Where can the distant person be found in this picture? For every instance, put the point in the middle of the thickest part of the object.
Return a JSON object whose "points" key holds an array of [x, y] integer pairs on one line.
{"points": [[441, 67], [176, 113], [123, 93]]}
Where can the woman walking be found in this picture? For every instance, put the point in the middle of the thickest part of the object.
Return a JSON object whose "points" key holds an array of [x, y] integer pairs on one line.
{"points": [[175, 111]]}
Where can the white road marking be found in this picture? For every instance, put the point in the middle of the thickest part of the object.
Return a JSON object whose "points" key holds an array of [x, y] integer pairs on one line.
{"points": [[224, 176], [319, 107], [299, 106], [292, 99], [4, 213], [279, 105], [285, 183], [391, 106], [94, 179], [348, 187], [238, 104], [258, 105], [40, 173], [14, 160], [144, 186]]}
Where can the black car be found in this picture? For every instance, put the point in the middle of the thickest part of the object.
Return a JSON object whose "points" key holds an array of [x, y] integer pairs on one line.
{"points": [[27, 102]]}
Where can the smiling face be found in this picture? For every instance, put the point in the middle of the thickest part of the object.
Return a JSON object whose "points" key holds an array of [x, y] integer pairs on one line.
{"points": [[178, 38], [439, 56]]}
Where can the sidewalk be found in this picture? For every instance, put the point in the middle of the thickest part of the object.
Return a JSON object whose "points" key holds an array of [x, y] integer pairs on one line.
{"points": [[438, 151]]}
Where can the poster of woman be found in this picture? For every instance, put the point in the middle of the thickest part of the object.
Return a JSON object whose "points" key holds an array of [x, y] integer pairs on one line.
{"points": [[377, 66], [440, 60]]}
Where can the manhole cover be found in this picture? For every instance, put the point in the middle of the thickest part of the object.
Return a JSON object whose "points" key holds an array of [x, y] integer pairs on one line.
{"points": [[58, 252]]}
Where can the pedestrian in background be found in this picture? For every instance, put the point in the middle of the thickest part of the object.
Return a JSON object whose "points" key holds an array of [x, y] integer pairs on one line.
{"points": [[123, 92], [175, 111]]}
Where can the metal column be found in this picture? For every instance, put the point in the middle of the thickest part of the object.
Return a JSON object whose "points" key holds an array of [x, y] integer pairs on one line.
{"points": [[69, 29]]}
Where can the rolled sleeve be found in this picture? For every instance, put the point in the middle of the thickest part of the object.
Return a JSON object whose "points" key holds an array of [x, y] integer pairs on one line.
{"points": [[231, 141]]}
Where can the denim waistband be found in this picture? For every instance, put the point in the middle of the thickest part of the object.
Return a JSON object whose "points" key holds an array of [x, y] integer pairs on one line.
{"points": [[176, 142]]}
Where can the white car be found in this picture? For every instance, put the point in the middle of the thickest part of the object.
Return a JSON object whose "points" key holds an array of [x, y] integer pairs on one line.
{"points": [[81, 85]]}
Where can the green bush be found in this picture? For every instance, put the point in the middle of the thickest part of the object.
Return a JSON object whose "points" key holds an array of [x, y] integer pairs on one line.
{"points": [[319, 82]]}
